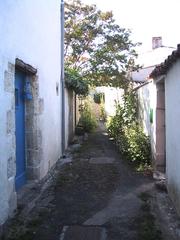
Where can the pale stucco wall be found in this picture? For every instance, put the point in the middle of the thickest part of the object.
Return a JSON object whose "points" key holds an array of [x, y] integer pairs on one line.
{"points": [[69, 116], [147, 99], [172, 103], [30, 31], [112, 96], [7, 146]]}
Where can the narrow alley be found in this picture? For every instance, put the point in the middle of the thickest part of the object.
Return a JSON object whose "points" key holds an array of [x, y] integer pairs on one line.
{"points": [[89, 141], [93, 196]]}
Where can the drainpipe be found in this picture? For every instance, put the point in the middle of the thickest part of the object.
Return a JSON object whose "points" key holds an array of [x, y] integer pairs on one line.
{"points": [[62, 80]]}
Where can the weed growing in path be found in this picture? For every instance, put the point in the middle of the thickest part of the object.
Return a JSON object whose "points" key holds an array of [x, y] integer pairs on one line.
{"points": [[147, 227]]}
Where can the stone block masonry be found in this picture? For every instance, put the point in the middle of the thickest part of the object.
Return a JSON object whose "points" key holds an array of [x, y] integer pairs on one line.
{"points": [[33, 133], [8, 200], [35, 51], [9, 78]]}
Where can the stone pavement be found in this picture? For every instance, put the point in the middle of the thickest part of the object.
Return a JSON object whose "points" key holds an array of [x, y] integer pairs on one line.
{"points": [[93, 196], [83, 233]]}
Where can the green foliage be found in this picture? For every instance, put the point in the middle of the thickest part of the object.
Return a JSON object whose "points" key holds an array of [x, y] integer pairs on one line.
{"points": [[99, 49], [87, 119], [137, 145], [115, 124], [102, 112], [75, 82], [128, 134], [130, 107], [147, 227], [98, 97]]}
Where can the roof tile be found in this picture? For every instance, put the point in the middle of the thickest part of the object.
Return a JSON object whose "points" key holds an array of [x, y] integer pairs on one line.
{"points": [[163, 68]]}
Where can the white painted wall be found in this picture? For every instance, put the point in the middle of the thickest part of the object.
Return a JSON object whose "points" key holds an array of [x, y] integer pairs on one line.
{"points": [[172, 103], [147, 99], [112, 95], [30, 31], [6, 150]]}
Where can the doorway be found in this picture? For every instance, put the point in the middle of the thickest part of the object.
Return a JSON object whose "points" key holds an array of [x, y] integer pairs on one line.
{"points": [[160, 128], [20, 179]]}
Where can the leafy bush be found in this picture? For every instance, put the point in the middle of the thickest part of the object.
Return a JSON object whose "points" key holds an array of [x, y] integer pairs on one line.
{"points": [[115, 124], [128, 134], [137, 145], [87, 119], [75, 82]]}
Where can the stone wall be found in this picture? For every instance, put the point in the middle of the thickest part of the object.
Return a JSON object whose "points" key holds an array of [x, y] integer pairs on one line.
{"points": [[25, 38], [34, 108], [7, 148]]}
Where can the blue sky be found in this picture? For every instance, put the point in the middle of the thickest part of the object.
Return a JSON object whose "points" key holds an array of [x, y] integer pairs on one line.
{"points": [[146, 18]]}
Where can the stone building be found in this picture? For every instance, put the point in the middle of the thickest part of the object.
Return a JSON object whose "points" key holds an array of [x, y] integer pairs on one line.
{"points": [[30, 95]]}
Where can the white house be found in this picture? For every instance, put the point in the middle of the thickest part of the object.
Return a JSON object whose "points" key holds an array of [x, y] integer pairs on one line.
{"points": [[30, 95], [150, 103], [167, 79]]}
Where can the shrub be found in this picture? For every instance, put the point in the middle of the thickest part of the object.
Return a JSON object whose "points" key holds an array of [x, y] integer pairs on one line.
{"points": [[76, 83], [128, 134], [131, 141], [115, 124], [138, 145], [87, 119]]}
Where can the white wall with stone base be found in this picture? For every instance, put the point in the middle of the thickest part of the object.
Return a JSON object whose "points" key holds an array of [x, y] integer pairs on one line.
{"points": [[30, 31]]}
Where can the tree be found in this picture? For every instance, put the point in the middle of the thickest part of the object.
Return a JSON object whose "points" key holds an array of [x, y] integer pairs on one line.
{"points": [[74, 81], [95, 46]]}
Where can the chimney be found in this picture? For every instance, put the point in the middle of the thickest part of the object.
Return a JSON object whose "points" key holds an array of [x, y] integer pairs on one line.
{"points": [[156, 42]]}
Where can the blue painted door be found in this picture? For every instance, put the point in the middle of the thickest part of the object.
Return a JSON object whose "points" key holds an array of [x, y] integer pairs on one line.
{"points": [[20, 130]]}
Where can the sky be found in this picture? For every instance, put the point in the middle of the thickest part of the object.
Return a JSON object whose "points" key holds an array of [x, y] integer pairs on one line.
{"points": [[146, 19]]}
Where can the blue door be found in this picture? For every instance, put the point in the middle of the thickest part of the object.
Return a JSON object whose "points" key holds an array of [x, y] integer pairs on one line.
{"points": [[20, 130]]}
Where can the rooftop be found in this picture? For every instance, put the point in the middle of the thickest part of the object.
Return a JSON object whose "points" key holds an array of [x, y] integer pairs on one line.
{"points": [[163, 68], [149, 60]]}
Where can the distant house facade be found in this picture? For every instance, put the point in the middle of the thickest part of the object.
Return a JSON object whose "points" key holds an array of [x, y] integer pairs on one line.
{"points": [[166, 76], [112, 96], [30, 95]]}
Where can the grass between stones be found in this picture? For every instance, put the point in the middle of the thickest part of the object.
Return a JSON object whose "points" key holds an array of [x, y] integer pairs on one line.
{"points": [[147, 227]]}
